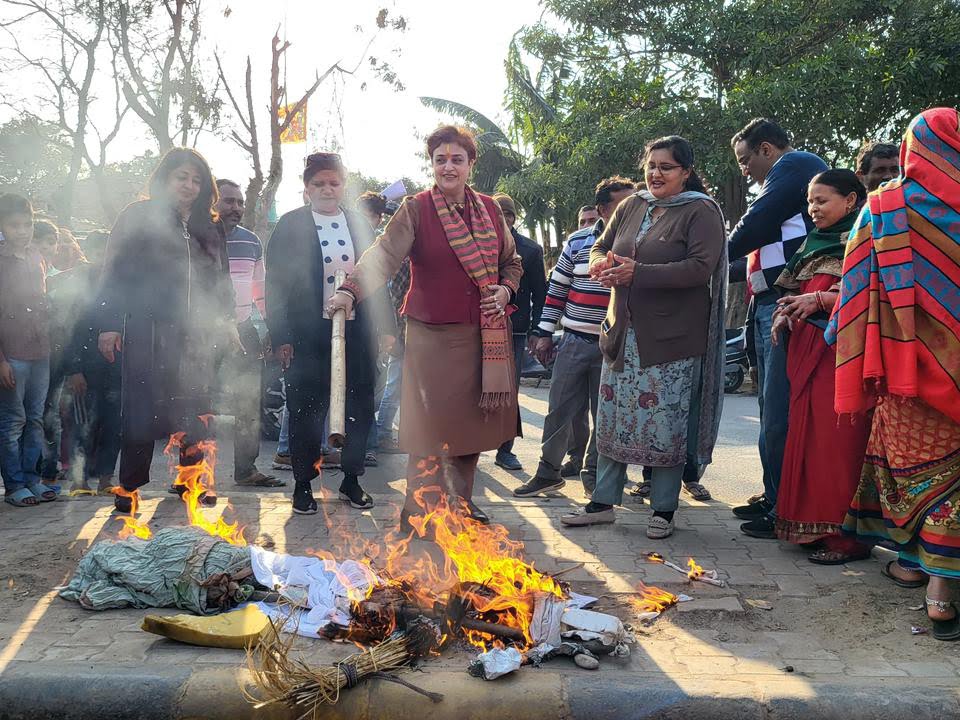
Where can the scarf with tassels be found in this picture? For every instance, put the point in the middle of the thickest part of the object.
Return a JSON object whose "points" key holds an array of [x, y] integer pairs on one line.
{"points": [[479, 255]]}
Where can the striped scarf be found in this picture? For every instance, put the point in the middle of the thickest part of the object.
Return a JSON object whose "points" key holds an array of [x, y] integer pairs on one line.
{"points": [[479, 255], [897, 323]]}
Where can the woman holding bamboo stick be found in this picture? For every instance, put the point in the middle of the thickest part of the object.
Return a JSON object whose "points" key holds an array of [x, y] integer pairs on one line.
{"points": [[308, 246], [459, 396]]}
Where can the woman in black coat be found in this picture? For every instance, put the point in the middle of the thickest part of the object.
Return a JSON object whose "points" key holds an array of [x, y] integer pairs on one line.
{"points": [[166, 307], [307, 247]]}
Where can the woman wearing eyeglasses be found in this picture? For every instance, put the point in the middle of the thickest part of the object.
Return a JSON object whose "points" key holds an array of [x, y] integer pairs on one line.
{"points": [[307, 248], [661, 388], [459, 397]]}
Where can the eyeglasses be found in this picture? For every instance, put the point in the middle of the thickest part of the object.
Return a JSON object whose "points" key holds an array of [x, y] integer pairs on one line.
{"points": [[664, 169]]}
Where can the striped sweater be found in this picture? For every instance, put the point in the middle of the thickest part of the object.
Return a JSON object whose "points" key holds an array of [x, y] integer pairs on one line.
{"points": [[246, 271], [574, 300]]}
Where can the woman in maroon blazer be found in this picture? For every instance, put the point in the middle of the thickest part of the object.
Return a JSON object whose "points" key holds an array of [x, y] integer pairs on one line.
{"points": [[459, 395]]}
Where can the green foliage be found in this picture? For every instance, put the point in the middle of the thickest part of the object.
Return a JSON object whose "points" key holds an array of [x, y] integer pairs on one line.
{"points": [[627, 71]]}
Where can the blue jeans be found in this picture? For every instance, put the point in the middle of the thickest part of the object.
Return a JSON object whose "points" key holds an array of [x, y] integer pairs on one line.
{"points": [[774, 398], [389, 403], [21, 423], [665, 485]]}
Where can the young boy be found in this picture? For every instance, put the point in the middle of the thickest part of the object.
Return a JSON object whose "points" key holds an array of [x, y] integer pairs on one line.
{"points": [[24, 355]]}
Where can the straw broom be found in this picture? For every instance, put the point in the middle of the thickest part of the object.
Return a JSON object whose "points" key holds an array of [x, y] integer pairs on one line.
{"points": [[281, 679]]}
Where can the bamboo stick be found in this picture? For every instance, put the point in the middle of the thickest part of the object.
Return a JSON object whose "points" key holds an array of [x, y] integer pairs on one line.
{"points": [[338, 373]]}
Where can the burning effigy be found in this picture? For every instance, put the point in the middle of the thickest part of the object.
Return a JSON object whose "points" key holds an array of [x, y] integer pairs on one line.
{"points": [[469, 585]]}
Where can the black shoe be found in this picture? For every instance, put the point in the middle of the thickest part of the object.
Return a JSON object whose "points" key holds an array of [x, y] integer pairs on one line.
{"points": [[508, 461], [407, 528], [352, 493], [122, 504], [204, 499], [370, 459], [753, 511], [763, 528], [538, 486], [477, 514], [303, 501], [571, 468]]}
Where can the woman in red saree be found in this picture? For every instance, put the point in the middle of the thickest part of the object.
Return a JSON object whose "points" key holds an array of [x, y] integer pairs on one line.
{"points": [[823, 455]]}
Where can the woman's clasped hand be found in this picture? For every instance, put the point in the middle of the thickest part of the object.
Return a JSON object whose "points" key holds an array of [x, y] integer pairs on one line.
{"points": [[614, 270]]}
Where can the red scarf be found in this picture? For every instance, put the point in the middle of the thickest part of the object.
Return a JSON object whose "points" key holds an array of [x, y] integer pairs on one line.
{"points": [[897, 324]]}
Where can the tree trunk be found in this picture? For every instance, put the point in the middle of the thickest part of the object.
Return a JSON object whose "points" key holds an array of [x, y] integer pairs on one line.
{"points": [[733, 200], [558, 226]]}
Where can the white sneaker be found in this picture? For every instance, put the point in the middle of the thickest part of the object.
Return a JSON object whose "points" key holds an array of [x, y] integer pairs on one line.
{"points": [[659, 528], [582, 517]]}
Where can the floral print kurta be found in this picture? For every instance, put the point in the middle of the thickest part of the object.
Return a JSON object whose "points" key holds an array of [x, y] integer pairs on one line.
{"points": [[643, 413]]}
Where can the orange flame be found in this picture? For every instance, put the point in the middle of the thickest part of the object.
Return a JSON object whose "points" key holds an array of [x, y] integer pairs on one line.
{"points": [[198, 479], [131, 525], [696, 572], [473, 554], [653, 599]]}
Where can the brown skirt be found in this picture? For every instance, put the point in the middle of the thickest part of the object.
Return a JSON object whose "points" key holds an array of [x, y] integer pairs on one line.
{"points": [[440, 400]]}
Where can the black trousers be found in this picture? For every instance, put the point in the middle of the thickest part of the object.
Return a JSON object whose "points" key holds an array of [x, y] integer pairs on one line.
{"points": [[308, 401], [136, 457]]}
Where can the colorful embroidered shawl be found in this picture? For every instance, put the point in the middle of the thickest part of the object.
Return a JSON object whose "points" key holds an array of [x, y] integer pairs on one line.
{"points": [[479, 255], [897, 323]]}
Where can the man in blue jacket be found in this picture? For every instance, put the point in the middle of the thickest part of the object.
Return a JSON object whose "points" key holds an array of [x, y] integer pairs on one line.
{"points": [[772, 229]]}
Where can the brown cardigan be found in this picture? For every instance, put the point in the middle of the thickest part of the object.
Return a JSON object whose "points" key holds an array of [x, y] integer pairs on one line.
{"points": [[669, 297]]}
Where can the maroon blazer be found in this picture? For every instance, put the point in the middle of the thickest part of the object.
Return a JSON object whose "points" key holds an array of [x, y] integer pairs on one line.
{"points": [[440, 291]]}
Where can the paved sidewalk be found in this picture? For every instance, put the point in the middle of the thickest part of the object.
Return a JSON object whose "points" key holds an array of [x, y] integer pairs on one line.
{"points": [[828, 632]]}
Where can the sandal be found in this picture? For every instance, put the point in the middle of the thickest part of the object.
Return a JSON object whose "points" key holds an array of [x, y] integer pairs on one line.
{"points": [[106, 486], [835, 557], [945, 629], [258, 479], [909, 584], [21, 497], [697, 491], [43, 493], [80, 490], [642, 490], [659, 528]]}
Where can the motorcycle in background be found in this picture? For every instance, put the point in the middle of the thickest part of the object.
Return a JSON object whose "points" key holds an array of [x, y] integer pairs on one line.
{"points": [[737, 364]]}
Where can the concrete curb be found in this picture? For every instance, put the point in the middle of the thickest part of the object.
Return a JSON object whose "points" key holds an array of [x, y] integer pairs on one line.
{"points": [[36, 691]]}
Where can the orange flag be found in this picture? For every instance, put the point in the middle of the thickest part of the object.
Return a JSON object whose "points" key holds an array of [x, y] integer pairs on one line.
{"points": [[296, 131]]}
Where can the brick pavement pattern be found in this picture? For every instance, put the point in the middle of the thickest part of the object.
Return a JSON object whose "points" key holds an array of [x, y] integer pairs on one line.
{"points": [[829, 624]]}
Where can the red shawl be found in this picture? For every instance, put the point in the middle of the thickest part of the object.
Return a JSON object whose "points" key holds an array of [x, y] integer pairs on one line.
{"points": [[897, 324]]}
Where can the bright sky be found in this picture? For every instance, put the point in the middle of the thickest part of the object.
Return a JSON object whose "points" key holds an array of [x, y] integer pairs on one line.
{"points": [[452, 51], [446, 52]]}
